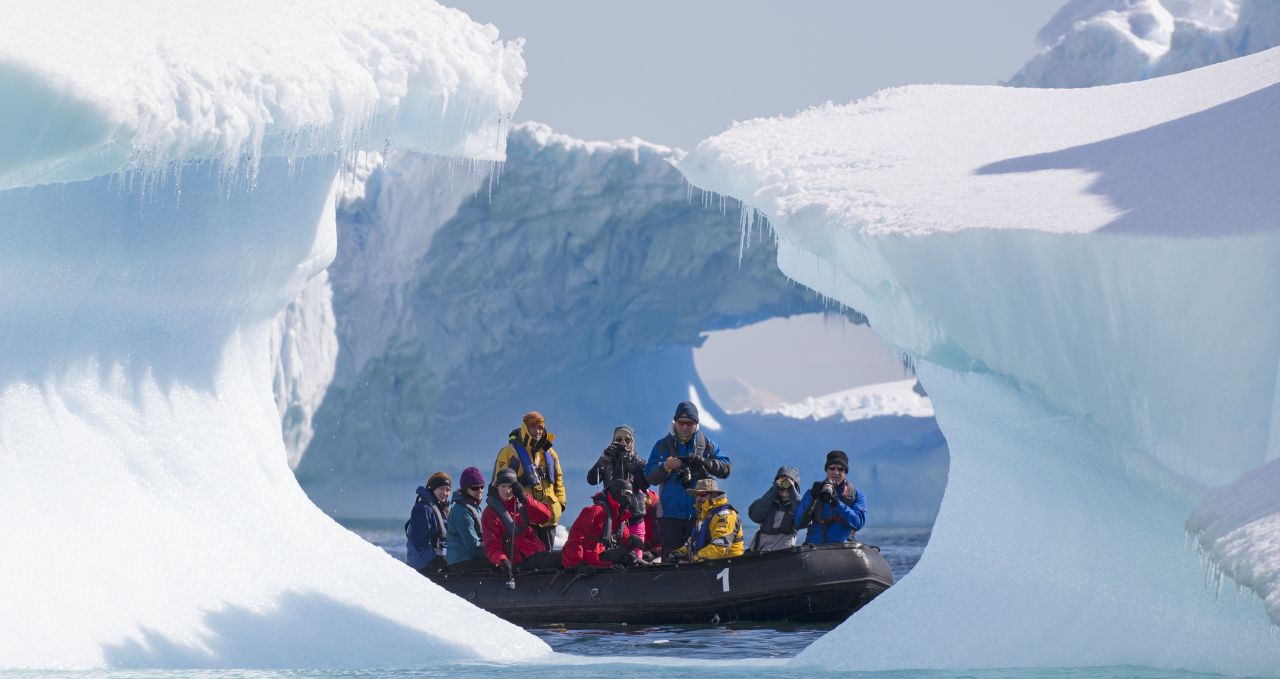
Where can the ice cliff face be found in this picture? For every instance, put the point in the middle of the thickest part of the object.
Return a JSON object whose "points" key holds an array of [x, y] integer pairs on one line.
{"points": [[1076, 274], [167, 186], [577, 282], [1102, 42]]}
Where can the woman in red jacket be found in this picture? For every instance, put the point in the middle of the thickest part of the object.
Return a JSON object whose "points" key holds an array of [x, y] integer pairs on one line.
{"points": [[599, 537], [507, 527]]}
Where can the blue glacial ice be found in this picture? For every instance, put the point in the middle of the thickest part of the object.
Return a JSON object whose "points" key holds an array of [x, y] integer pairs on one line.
{"points": [[577, 282]]}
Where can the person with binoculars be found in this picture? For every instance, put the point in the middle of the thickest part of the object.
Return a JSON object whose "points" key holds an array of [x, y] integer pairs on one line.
{"points": [[537, 466], [677, 462], [832, 510], [775, 512]]}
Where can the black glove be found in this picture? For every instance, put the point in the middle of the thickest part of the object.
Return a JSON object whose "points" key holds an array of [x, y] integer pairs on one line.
{"points": [[507, 569], [517, 490], [636, 541]]}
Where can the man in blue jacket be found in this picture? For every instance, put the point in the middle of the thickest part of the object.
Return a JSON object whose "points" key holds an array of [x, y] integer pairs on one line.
{"points": [[678, 461], [833, 510]]}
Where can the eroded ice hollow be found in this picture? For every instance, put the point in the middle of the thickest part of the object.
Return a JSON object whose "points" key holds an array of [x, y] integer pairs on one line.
{"points": [[1086, 281], [166, 187]]}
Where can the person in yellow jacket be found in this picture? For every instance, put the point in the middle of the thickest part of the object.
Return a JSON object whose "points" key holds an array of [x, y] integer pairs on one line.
{"points": [[537, 466], [718, 534]]}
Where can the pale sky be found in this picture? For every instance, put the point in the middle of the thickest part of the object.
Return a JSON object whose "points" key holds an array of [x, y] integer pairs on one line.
{"points": [[674, 73]]}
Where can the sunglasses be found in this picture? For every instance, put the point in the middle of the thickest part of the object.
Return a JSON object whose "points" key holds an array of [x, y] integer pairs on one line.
{"points": [[475, 487], [623, 439], [702, 494], [837, 468]]}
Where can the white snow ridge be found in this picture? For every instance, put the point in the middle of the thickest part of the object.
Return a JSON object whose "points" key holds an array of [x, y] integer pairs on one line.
{"points": [[1086, 281], [167, 175]]}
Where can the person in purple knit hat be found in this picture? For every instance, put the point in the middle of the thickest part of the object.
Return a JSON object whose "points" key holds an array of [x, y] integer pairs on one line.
{"points": [[464, 546]]}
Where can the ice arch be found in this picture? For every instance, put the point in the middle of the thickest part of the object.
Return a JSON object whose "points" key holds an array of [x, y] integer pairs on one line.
{"points": [[1080, 336], [577, 281], [167, 174]]}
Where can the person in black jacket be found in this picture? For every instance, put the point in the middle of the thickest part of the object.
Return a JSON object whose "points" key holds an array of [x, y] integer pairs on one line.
{"points": [[619, 461], [775, 512]]}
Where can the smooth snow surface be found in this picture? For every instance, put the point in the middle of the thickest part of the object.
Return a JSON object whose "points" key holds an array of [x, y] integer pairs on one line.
{"points": [[147, 511], [577, 283], [1102, 42], [1085, 281]]}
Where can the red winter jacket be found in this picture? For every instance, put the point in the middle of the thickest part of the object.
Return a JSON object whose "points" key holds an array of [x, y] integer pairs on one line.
{"points": [[584, 544], [526, 543]]}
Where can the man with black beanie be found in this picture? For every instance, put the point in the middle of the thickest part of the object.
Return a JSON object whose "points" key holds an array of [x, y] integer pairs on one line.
{"points": [[677, 462], [832, 510]]}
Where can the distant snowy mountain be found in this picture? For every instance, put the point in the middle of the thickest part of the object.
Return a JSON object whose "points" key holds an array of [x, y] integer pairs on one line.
{"points": [[876, 400]]}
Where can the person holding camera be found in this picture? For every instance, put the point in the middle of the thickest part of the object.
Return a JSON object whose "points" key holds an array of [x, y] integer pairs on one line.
{"points": [[508, 522], [619, 461], [599, 537], [677, 462], [775, 512], [833, 510], [719, 531], [537, 466]]}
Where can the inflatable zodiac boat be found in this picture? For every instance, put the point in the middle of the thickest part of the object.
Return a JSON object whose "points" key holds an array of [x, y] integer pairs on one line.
{"points": [[803, 584]]}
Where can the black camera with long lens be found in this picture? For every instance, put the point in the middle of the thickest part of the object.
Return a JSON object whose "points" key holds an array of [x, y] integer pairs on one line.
{"points": [[827, 493]]}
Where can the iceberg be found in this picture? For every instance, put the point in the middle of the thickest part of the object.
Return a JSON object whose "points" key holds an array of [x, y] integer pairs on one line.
{"points": [[168, 176], [577, 282], [1103, 42], [1084, 280]]}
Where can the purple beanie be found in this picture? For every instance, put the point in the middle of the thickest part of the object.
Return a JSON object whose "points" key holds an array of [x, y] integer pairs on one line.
{"points": [[471, 477]]}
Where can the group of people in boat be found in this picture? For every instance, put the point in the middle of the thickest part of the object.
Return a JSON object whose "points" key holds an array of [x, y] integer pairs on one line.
{"points": [[665, 508]]}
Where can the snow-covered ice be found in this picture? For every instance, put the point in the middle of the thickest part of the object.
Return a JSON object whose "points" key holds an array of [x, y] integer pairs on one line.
{"points": [[168, 173], [1102, 42], [1084, 280]]}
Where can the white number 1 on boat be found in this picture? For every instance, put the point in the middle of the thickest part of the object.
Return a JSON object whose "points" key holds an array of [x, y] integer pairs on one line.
{"points": [[723, 577]]}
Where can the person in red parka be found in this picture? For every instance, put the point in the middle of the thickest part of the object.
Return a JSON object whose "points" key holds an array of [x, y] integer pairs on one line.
{"points": [[599, 537], [507, 527]]}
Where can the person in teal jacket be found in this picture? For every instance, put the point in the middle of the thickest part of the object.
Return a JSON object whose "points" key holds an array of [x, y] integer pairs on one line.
{"points": [[464, 546]]}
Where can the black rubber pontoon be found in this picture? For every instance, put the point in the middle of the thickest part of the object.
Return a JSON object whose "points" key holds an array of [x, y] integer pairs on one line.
{"points": [[804, 584]]}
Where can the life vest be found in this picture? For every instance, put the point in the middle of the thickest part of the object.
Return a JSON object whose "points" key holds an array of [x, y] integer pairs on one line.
{"points": [[508, 522], [526, 463], [608, 534], [703, 537], [815, 513]]}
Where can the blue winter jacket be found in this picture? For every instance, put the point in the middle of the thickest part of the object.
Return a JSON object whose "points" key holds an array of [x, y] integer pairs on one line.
{"points": [[424, 532], [464, 535], [848, 514], [675, 502]]}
